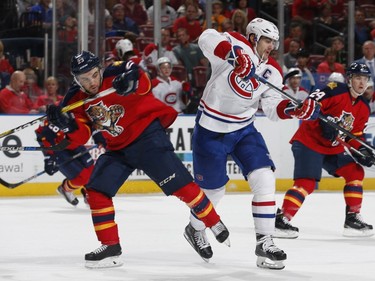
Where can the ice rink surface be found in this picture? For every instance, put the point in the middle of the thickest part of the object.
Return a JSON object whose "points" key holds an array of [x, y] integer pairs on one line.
{"points": [[44, 238]]}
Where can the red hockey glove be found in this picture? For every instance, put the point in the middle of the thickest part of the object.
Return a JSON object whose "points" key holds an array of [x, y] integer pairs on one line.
{"points": [[308, 110], [243, 66]]}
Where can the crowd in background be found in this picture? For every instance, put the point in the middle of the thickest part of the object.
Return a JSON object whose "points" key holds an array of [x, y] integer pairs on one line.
{"points": [[316, 32]]}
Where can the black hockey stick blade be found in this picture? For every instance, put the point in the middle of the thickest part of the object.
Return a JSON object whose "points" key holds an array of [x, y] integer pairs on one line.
{"points": [[60, 146]]}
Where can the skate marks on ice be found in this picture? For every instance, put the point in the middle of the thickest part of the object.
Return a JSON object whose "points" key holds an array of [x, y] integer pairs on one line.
{"points": [[46, 239]]}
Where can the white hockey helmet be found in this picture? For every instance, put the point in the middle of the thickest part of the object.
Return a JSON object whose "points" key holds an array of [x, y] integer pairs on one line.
{"points": [[162, 60], [123, 46], [336, 77], [261, 27]]}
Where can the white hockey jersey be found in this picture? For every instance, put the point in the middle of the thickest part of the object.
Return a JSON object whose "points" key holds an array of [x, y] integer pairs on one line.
{"points": [[169, 92], [228, 102]]}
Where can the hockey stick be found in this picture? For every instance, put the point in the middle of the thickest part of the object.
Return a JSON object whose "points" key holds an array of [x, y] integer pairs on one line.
{"points": [[320, 116], [14, 185], [58, 147], [64, 109]]}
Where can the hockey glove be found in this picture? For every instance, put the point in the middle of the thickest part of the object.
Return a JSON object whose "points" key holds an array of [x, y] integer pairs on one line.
{"points": [[99, 139], [243, 66], [307, 110], [50, 165], [65, 121], [367, 158], [127, 82], [328, 132]]}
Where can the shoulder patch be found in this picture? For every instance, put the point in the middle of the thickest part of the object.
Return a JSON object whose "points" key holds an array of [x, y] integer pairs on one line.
{"points": [[332, 85]]}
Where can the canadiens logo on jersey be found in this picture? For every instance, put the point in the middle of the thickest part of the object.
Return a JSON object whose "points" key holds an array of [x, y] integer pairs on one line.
{"points": [[105, 118], [242, 88], [171, 98]]}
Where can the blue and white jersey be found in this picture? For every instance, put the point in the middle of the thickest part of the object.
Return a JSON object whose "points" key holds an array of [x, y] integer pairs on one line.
{"points": [[228, 102]]}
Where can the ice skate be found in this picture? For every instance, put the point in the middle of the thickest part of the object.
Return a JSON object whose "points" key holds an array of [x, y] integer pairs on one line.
{"points": [[283, 228], [68, 195], [198, 240], [104, 256], [269, 255], [221, 233], [354, 226]]}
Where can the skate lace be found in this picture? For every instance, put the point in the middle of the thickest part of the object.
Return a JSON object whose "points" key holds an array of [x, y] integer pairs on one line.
{"points": [[102, 248], [218, 228], [201, 239], [359, 218], [269, 246], [286, 221]]}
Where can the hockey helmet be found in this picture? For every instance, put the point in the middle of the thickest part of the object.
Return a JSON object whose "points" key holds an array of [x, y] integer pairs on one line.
{"points": [[163, 60], [358, 69], [261, 27], [336, 77], [83, 62], [123, 46]]}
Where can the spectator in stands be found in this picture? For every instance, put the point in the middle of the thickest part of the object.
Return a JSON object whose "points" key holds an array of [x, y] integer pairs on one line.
{"points": [[217, 18], [368, 51], [244, 6], [188, 54], [43, 7], [227, 26], [296, 31], [293, 80], [150, 53], [63, 8], [135, 11], [369, 95], [167, 88], [5, 65], [307, 81], [324, 22], [167, 13], [361, 32], [31, 87], [329, 64], [290, 58], [189, 22], [304, 11], [181, 10], [239, 21], [120, 22], [50, 95], [337, 44], [12, 99], [372, 28], [68, 31]]}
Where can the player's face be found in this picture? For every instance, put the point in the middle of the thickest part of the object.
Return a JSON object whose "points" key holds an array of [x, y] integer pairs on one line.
{"points": [[265, 46], [359, 84], [165, 69], [90, 81]]}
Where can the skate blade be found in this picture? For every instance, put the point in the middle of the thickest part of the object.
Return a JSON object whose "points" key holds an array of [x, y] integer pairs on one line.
{"points": [[192, 245], [227, 242], [105, 263], [285, 234], [266, 263], [350, 232]]}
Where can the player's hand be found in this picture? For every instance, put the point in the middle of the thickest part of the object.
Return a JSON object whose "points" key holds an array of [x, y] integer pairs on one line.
{"points": [[329, 132], [50, 165], [127, 82], [367, 158], [243, 66], [65, 121], [308, 110]]}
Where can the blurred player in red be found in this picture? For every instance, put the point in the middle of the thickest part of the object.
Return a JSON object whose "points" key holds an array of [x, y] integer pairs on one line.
{"points": [[316, 145], [133, 124]]}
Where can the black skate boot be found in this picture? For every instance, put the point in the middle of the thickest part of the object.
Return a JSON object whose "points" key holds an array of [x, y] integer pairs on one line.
{"points": [[221, 233], [198, 240], [104, 256], [269, 255], [354, 226], [283, 228], [68, 195]]}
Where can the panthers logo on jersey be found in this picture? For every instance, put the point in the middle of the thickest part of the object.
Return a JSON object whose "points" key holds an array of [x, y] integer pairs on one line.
{"points": [[105, 118], [242, 88]]}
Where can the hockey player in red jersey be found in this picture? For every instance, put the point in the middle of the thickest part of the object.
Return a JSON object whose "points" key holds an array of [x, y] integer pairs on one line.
{"points": [[318, 145], [225, 127], [133, 124]]}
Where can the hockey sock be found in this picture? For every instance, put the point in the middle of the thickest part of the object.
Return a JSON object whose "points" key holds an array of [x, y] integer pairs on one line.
{"points": [[69, 186], [198, 202], [353, 190], [103, 217], [263, 208], [296, 195], [83, 177]]}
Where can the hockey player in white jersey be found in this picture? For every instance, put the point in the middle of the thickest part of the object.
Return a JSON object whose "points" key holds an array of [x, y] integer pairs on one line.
{"points": [[167, 88], [225, 127]]}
